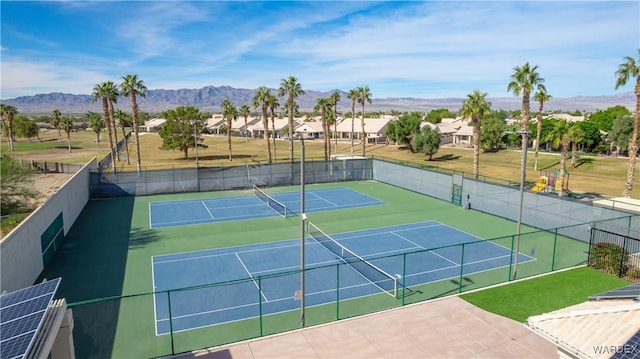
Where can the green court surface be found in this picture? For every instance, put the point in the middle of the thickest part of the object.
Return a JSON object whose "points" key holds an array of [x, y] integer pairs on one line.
{"points": [[108, 253]]}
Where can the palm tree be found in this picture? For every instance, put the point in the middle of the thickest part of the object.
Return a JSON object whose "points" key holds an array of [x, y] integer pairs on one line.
{"points": [[323, 105], [335, 98], [103, 91], [575, 134], [95, 123], [630, 69], [229, 113], [112, 97], [273, 105], [245, 111], [120, 116], [476, 107], [133, 86], [364, 96], [291, 87], [523, 81], [541, 96], [67, 127], [8, 113], [55, 122], [353, 96], [558, 137], [261, 99]]}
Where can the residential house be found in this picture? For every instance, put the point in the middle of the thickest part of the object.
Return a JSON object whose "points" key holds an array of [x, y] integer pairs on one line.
{"points": [[153, 125]]}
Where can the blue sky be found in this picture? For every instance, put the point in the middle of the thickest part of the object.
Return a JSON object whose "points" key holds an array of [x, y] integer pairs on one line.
{"points": [[427, 49]]}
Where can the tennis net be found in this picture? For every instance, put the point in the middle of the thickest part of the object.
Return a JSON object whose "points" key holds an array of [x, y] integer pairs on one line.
{"points": [[270, 201], [370, 271]]}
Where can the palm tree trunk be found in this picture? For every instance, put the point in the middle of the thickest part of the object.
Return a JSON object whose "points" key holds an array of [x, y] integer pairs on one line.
{"points": [[246, 139], [476, 148], [526, 108], [273, 127], [10, 132], [115, 129], [228, 137], [265, 124], [107, 122], [364, 134], [59, 137], [353, 120], [134, 117], [69, 141], [290, 127], [563, 165], [126, 143], [574, 157], [633, 147], [539, 129], [335, 131]]}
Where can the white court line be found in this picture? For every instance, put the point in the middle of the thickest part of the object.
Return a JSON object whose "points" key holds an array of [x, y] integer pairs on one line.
{"points": [[323, 199], [207, 208], [430, 251], [155, 309], [252, 279]]}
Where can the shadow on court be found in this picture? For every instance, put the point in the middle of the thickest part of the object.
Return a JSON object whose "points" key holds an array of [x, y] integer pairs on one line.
{"points": [[91, 262]]}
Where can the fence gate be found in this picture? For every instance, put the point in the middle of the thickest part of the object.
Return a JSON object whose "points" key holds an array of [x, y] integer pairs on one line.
{"points": [[615, 253]]}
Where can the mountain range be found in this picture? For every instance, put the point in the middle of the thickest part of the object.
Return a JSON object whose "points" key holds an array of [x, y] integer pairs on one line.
{"points": [[208, 99]]}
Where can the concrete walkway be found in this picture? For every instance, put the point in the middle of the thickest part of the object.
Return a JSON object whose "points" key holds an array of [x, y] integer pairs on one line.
{"points": [[445, 328]]}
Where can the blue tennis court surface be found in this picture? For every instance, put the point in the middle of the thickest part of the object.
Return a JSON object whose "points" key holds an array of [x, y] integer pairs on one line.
{"points": [[253, 289], [178, 213]]}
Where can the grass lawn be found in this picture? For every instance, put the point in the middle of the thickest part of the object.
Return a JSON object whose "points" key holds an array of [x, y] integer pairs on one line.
{"points": [[521, 300]]}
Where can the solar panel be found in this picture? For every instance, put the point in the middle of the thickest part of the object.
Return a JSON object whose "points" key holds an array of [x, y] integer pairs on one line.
{"points": [[21, 315], [629, 292]]}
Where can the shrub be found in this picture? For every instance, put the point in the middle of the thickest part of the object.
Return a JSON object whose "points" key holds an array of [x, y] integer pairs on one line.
{"points": [[609, 257]]}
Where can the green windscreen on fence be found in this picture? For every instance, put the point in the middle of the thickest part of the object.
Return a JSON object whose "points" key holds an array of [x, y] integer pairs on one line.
{"points": [[51, 239]]}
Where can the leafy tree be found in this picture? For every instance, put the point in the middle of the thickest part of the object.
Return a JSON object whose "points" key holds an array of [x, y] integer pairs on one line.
{"points": [[364, 96], [353, 96], [574, 135], [436, 115], [132, 86], [407, 125], [96, 124], [8, 112], [67, 126], [178, 133], [25, 128], [292, 88], [491, 133], [427, 141], [603, 119], [261, 99], [55, 122], [477, 108], [630, 69], [592, 136], [541, 96], [245, 111], [621, 132], [15, 187], [558, 136]]}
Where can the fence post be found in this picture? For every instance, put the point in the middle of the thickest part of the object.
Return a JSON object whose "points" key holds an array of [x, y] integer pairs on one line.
{"points": [[590, 246], [461, 269], [623, 255], [260, 303], [173, 351], [337, 291], [404, 275], [555, 244], [511, 258]]}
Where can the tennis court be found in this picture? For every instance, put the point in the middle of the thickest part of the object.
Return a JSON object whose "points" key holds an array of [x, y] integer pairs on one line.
{"points": [[261, 279], [257, 205]]}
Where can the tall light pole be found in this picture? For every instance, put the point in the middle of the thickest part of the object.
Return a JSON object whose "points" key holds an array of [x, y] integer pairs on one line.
{"points": [[523, 171], [303, 218]]}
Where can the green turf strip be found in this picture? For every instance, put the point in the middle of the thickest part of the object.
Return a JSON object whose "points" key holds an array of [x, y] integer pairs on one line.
{"points": [[536, 296]]}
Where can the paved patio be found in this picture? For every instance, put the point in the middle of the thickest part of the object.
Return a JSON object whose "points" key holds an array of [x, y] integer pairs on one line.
{"points": [[445, 328]]}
